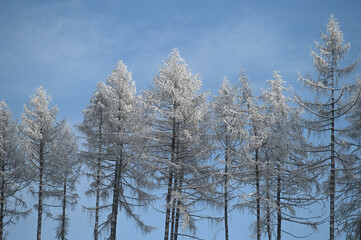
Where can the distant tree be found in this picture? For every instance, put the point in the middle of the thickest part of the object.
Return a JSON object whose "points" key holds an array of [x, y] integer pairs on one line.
{"points": [[12, 172], [329, 108], [40, 130], [180, 140]]}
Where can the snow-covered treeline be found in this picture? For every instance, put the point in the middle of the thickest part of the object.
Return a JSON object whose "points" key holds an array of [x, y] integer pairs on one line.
{"points": [[276, 155]]}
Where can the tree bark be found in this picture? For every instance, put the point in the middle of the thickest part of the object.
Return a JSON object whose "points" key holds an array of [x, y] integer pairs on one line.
{"points": [[2, 201], [176, 227], [268, 210], [115, 204], [258, 208], [279, 213], [332, 170], [226, 191], [170, 183], [63, 216], [40, 193]]}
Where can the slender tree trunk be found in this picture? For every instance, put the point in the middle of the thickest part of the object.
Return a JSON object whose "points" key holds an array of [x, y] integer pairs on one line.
{"points": [[268, 210], [40, 193], [63, 216], [98, 171], [168, 198], [226, 191], [332, 172], [97, 201], [170, 183], [279, 213], [174, 208], [115, 204], [2, 201], [176, 227], [258, 210]]}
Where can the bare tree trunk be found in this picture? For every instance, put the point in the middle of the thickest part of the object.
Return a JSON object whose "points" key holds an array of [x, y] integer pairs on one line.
{"points": [[268, 217], [226, 191], [170, 183], [332, 173], [97, 200], [63, 216], [174, 208], [279, 213], [168, 198], [2, 201], [40, 193], [176, 227], [258, 208], [97, 194], [115, 204]]}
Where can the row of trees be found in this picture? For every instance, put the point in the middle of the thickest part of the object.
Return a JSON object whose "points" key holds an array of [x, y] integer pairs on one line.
{"points": [[239, 151]]}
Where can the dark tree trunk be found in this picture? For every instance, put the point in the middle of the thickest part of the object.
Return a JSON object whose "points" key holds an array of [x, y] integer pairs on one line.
{"points": [[176, 227], [332, 170], [226, 191], [63, 216], [2, 201], [115, 204], [170, 183], [279, 213], [40, 193], [174, 208], [268, 210], [258, 201]]}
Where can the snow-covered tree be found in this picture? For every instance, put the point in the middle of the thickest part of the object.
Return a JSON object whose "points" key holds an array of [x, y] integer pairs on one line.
{"points": [[64, 172], [287, 174], [12, 172], [114, 135], [179, 140], [40, 130], [252, 127], [125, 166], [226, 142], [329, 107], [93, 127]]}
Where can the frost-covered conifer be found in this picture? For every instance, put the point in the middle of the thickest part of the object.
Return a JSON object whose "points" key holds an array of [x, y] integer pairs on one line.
{"points": [[288, 176], [64, 174], [114, 137], [179, 146], [13, 177], [226, 142], [252, 126], [329, 108], [125, 165], [93, 127], [40, 130]]}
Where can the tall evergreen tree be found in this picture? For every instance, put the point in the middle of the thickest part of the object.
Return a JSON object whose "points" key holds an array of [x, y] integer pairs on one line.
{"points": [[13, 175], [288, 175], [65, 173], [114, 134], [40, 130], [329, 108], [226, 143], [93, 127], [128, 179], [180, 139]]}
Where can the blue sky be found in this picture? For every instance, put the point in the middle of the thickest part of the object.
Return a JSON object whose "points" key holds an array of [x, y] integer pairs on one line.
{"points": [[69, 46]]}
